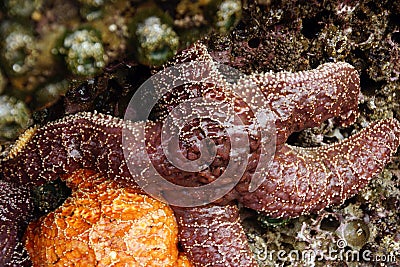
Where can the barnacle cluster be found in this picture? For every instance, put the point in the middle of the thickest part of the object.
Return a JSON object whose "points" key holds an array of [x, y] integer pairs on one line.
{"points": [[44, 43]]}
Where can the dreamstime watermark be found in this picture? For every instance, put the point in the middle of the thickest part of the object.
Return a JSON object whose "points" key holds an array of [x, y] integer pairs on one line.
{"points": [[339, 253], [189, 77]]}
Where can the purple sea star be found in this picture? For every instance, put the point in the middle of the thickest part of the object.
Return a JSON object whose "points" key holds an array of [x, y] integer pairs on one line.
{"points": [[299, 181], [15, 206]]}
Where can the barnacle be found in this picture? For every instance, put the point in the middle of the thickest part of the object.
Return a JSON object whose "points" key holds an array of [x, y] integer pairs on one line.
{"points": [[18, 49], [84, 52], [154, 39]]}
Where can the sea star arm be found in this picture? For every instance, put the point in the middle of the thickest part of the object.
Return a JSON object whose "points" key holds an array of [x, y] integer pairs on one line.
{"points": [[328, 175], [213, 236], [305, 99], [305, 180], [15, 209], [298, 100], [84, 140]]}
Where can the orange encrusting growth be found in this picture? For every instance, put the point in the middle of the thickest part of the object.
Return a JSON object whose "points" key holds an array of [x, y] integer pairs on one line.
{"points": [[103, 224]]}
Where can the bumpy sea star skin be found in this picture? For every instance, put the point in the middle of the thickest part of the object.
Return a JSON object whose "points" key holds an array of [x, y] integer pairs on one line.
{"points": [[381, 139], [298, 100], [306, 99], [85, 140], [103, 224], [305, 180], [15, 207], [214, 230], [301, 180]]}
